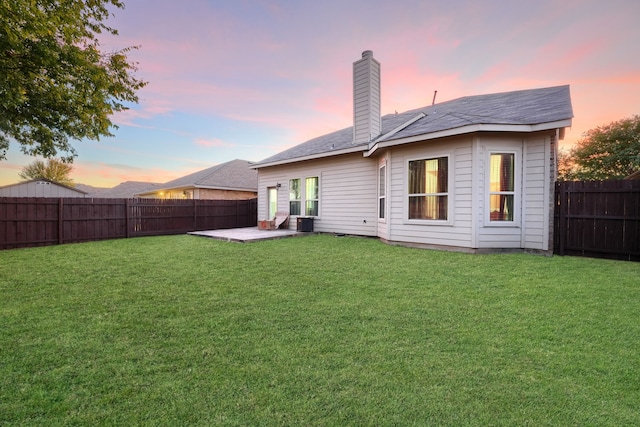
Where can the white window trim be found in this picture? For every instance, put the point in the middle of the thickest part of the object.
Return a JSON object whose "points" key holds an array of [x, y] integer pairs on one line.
{"points": [[295, 200], [450, 197], [303, 210], [517, 189], [383, 164]]}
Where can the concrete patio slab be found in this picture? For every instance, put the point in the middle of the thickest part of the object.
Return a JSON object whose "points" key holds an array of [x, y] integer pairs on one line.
{"points": [[248, 234]]}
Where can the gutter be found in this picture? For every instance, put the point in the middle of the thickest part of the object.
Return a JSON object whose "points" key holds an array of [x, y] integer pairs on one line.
{"points": [[356, 149]]}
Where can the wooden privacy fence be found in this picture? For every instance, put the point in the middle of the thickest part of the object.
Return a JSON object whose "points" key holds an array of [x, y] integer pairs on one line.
{"points": [[598, 219], [27, 221]]}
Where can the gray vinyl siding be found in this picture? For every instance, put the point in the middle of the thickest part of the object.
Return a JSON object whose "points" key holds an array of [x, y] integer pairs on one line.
{"points": [[498, 235], [39, 189], [457, 230], [383, 224], [535, 212], [532, 194], [347, 192]]}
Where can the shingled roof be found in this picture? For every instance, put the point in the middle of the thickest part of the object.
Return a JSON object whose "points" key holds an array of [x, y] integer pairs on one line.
{"points": [[233, 175], [124, 190], [523, 110]]}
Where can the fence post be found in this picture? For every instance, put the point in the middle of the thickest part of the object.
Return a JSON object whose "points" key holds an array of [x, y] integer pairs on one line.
{"points": [[562, 221], [195, 215], [126, 216], [60, 221]]}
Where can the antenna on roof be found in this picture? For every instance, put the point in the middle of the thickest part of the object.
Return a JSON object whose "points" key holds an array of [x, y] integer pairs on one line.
{"points": [[435, 92]]}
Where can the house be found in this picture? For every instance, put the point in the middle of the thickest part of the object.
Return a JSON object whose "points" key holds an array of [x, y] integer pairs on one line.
{"points": [[124, 190], [475, 173], [234, 180], [40, 188]]}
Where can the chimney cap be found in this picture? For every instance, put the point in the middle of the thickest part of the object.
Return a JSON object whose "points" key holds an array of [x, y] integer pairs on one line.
{"points": [[367, 53]]}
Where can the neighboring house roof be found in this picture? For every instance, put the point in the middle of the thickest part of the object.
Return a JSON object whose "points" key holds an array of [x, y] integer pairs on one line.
{"points": [[22, 183], [519, 111], [89, 189], [125, 190], [234, 175]]}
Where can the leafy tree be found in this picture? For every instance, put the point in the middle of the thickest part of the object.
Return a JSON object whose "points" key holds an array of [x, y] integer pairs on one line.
{"points": [[53, 170], [606, 152], [566, 167], [55, 83]]}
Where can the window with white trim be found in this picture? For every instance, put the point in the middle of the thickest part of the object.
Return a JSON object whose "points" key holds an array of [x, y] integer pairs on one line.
{"points": [[428, 189], [311, 196], [382, 191], [502, 187], [295, 199]]}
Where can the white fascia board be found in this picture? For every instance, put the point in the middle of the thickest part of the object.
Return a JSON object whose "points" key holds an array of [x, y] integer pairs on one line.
{"points": [[356, 149], [470, 129]]}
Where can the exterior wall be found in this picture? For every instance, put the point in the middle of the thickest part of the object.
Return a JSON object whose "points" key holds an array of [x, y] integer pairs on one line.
{"points": [[535, 205], [207, 194], [383, 223], [347, 192], [530, 229], [497, 235], [468, 225], [202, 194], [39, 189], [457, 230], [553, 177]]}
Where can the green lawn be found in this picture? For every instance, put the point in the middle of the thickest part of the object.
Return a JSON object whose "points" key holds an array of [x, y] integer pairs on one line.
{"points": [[319, 330]]}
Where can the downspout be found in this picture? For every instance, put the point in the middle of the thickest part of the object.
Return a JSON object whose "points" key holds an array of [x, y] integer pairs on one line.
{"points": [[523, 199], [475, 199]]}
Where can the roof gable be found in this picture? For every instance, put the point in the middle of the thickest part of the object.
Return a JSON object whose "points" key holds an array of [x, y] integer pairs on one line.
{"points": [[23, 183], [124, 190], [235, 175]]}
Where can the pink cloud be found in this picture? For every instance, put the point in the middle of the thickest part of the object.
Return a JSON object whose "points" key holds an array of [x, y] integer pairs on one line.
{"points": [[108, 175], [133, 115], [214, 142], [303, 86]]}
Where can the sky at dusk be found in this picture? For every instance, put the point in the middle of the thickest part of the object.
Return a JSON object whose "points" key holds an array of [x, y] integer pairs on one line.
{"points": [[234, 79]]}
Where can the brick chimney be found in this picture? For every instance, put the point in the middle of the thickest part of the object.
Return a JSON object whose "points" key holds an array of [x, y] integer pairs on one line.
{"points": [[366, 98]]}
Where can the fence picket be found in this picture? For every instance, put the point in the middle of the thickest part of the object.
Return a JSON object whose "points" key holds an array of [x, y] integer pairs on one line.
{"points": [[598, 219], [28, 222]]}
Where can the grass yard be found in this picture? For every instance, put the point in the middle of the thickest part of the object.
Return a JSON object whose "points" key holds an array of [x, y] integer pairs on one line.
{"points": [[320, 330]]}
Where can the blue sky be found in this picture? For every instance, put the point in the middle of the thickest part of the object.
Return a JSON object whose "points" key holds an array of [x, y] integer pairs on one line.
{"points": [[246, 79]]}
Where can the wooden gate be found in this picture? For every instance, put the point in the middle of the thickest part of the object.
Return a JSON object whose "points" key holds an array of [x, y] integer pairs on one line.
{"points": [[599, 219]]}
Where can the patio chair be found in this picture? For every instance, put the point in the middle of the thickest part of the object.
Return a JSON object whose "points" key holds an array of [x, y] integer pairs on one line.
{"points": [[281, 220]]}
